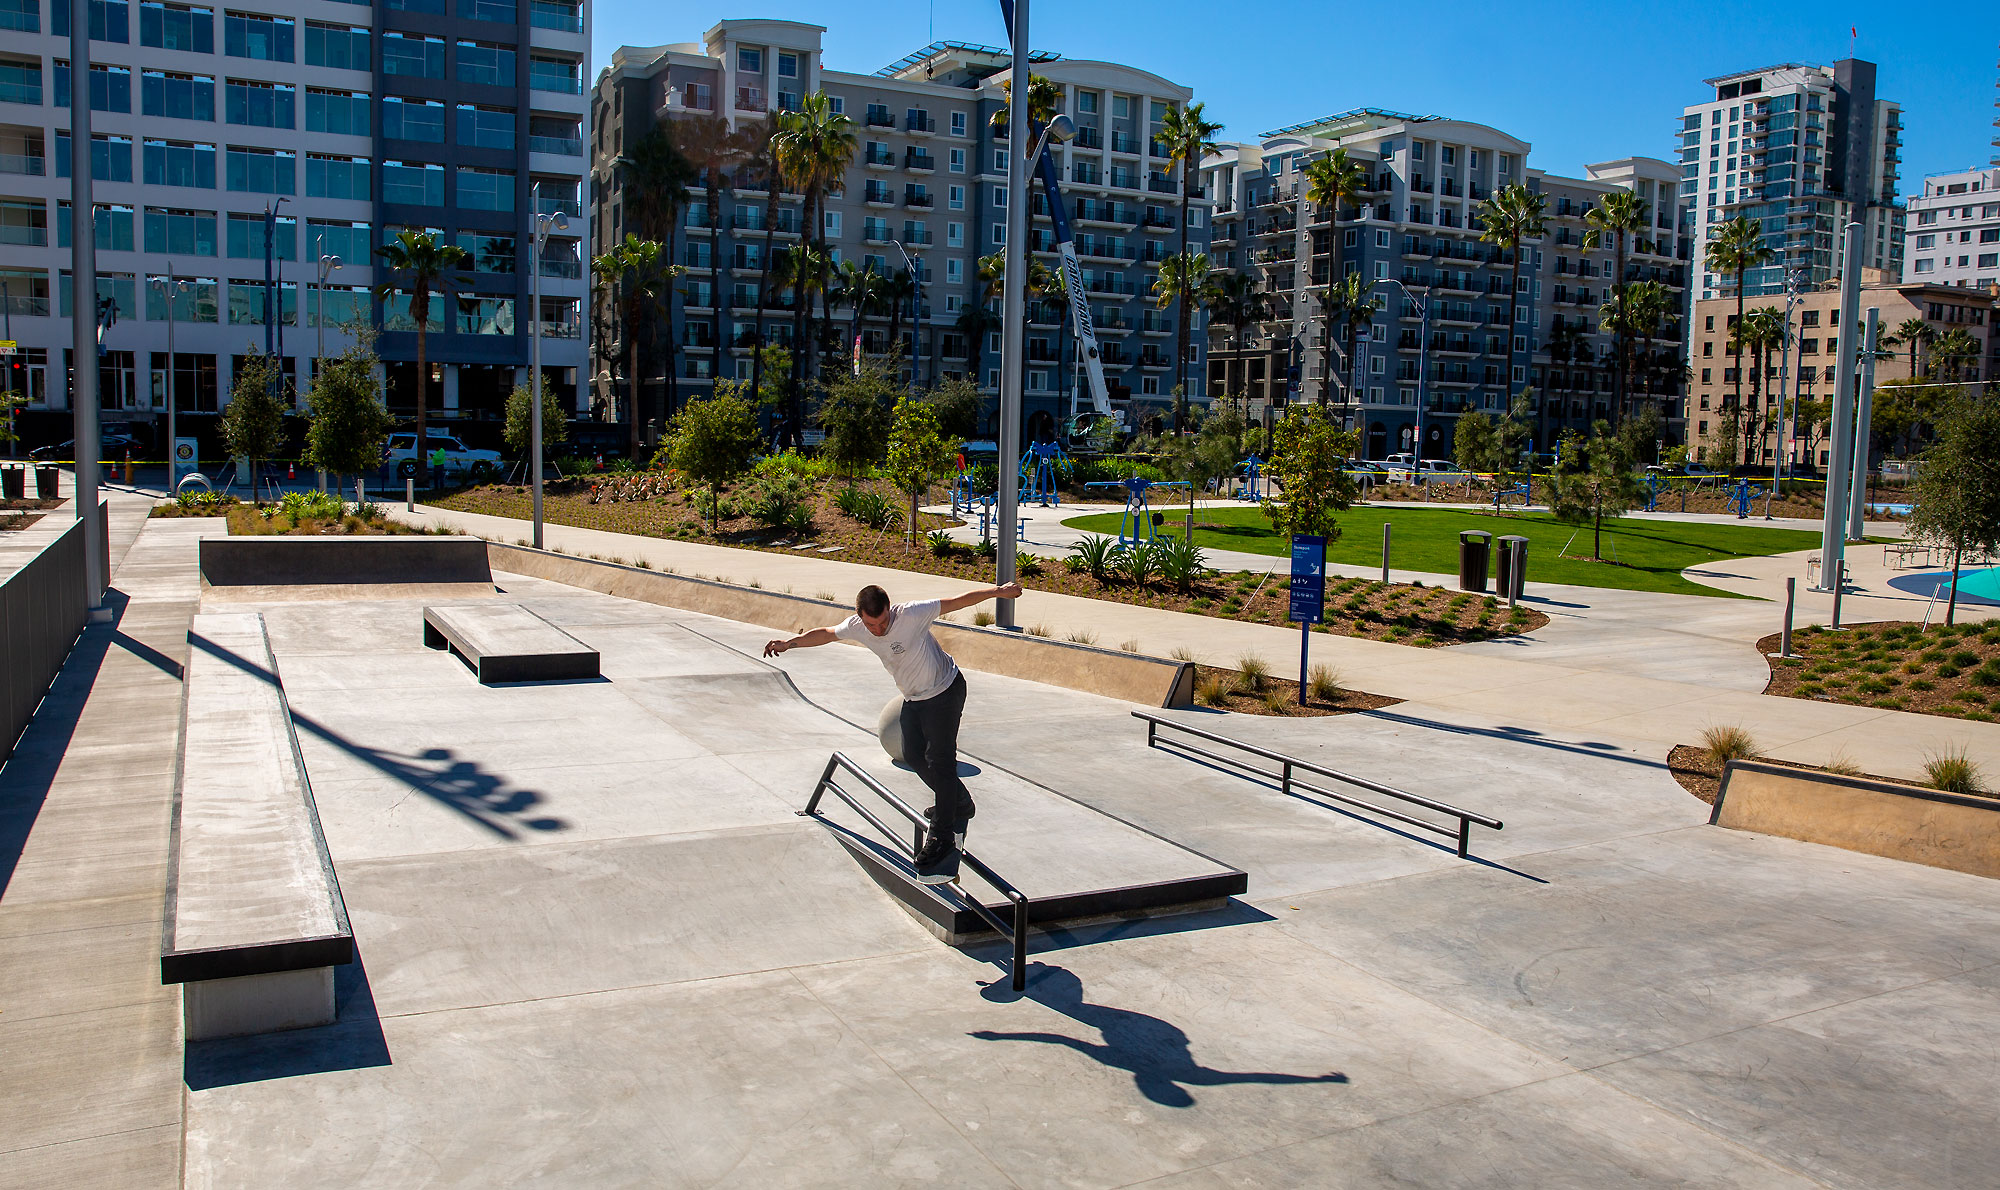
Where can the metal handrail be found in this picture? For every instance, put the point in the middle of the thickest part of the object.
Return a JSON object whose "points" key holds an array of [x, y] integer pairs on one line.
{"points": [[1286, 782], [1017, 933]]}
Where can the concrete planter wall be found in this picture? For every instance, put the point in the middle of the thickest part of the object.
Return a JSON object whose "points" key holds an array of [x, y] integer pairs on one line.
{"points": [[337, 561], [1149, 681], [1906, 822], [43, 606]]}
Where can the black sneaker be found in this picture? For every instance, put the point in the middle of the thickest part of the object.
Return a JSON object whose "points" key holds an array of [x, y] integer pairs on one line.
{"points": [[969, 808], [937, 860]]}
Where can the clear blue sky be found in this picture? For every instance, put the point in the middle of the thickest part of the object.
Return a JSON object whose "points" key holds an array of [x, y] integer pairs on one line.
{"points": [[1580, 81]]}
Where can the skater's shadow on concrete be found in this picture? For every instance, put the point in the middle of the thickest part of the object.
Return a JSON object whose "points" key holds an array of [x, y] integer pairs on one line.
{"points": [[965, 768], [1156, 1053]]}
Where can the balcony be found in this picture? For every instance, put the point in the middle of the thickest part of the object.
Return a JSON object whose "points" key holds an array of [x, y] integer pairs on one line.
{"points": [[563, 18], [1153, 324], [1124, 142], [918, 122], [566, 146], [750, 99], [1160, 220], [919, 161], [878, 118], [1160, 185], [922, 202], [878, 194], [1088, 138], [752, 219], [1124, 179], [913, 235], [875, 233], [21, 163], [559, 206], [879, 157]]}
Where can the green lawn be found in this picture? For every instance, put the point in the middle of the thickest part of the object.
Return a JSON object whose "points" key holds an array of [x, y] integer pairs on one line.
{"points": [[1651, 554]]}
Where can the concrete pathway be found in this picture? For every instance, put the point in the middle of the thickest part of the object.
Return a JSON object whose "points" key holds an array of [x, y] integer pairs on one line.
{"points": [[1677, 692]]}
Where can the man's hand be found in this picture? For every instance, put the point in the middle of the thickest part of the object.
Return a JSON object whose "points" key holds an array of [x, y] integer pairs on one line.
{"points": [[773, 648], [1008, 591]]}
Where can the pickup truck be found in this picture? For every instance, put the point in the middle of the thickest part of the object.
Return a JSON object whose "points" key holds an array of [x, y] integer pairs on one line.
{"points": [[459, 459]]}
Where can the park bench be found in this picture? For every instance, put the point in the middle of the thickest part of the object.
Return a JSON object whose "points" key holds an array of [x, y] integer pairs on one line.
{"points": [[255, 923], [505, 642]]}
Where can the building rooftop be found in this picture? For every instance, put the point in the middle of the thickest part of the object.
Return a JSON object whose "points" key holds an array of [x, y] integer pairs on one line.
{"points": [[1333, 125], [1744, 74], [938, 49]]}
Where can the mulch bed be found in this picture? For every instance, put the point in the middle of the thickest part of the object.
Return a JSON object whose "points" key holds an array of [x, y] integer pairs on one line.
{"points": [[1395, 612], [1700, 775], [1279, 697], [1950, 671], [19, 514]]}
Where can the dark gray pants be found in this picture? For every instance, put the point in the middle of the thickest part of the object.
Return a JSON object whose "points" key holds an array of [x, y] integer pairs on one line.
{"points": [[930, 745]]}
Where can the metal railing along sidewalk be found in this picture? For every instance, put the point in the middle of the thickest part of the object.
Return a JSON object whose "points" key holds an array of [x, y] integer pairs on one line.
{"points": [[1017, 933], [1287, 782]]}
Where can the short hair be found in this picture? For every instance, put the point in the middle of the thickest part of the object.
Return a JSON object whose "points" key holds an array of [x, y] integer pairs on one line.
{"points": [[873, 601]]}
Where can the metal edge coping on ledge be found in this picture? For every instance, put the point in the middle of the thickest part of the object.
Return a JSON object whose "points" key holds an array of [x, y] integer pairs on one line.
{"points": [[1016, 933], [1286, 781]]}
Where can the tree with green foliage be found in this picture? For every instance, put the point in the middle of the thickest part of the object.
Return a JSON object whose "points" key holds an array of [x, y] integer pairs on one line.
{"points": [[920, 455], [958, 402], [636, 276], [9, 402], [1957, 499], [520, 425], [427, 263], [712, 441], [1309, 463], [1594, 479], [349, 423], [253, 423], [1734, 248], [1187, 135], [1475, 444], [855, 413], [1512, 215], [1619, 214]]}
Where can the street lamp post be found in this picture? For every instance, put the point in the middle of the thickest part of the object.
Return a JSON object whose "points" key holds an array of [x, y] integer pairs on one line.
{"points": [[1013, 316], [83, 332], [171, 288], [1792, 298], [327, 265], [544, 225], [916, 266], [1423, 355]]}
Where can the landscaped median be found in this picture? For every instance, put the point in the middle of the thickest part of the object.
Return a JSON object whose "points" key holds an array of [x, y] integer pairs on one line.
{"points": [[1951, 670], [316, 514]]}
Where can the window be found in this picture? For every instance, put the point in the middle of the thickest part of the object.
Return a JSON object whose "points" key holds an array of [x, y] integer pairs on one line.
{"points": [[957, 161], [259, 104], [1000, 197], [261, 171], [25, 222], [338, 305], [344, 112], [413, 119], [1990, 235], [562, 75], [555, 134], [958, 126], [485, 316], [490, 253], [750, 61], [179, 163], [955, 198], [194, 303], [338, 237], [999, 161], [20, 82], [247, 35], [247, 300], [332, 176], [954, 235], [177, 96], [110, 20], [180, 232], [1926, 218], [832, 223], [485, 63], [1929, 241], [246, 237], [499, 11], [485, 189], [110, 157], [555, 14], [1925, 265], [176, 27], [485, 127], [1989, 259], [788, 66], [344, 47], [414, 56], [412, 182], [110, 87], [114, 227]]}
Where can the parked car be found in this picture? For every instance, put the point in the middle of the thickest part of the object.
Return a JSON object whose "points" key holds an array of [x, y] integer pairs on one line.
{"points": [[112, 448], [459, 459], [1407, 468]]}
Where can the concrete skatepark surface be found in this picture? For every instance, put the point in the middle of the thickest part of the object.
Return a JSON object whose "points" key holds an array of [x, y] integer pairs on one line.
{"points": [[596, 947]]}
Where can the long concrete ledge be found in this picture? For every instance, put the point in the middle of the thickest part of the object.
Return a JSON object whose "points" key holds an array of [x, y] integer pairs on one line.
{"points": [[505, 642], [254, 921], [341, 561], [1922, 826], [1149, 681]]}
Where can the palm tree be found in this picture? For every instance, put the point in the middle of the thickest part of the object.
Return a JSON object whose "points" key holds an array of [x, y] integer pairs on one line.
{"points": [[1041, 279], [974, 323], [1759, 332], [1239, 305], [859, 287], [1621, 213], [1648, 306], [1183, 280], [426, 263], [1916, 333], [655, 177], [1186, 134], [899, 289], [814, 146], [754, 142], [711, 151], [1347, 302], [640, 276], [1514, 214], [1734, 248], [1952, 351], [1330, 181]]}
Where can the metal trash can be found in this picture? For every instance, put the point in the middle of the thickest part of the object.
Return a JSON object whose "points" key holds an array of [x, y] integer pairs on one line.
{"points": [[1512, 569], [46, 482], [1475, 546], [14, 483]]}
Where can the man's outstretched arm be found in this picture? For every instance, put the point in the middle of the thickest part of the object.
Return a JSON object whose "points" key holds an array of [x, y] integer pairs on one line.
{"points": [[959, 603], [804, 640]]}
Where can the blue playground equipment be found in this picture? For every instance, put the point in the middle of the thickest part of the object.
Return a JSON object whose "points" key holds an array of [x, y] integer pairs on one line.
{"points": [[1653, 492], [1041, 474], [1137, 523], [1252, 470], [1739, 499], [961, 488]]}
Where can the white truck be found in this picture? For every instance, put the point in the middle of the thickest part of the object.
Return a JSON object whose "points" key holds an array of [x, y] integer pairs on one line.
{"points": [[459, 459]]}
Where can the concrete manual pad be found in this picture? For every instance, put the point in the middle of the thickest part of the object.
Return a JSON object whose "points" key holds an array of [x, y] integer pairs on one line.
{"points": [[505, 642]]}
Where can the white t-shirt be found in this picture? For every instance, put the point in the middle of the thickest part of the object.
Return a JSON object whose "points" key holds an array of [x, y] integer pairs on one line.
{"points": [[908, 651]]}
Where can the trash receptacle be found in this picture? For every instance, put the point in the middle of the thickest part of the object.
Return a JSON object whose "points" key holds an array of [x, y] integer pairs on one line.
{"points": [[45, 482], [1474, 547], [14, 483], [1513, 567]]}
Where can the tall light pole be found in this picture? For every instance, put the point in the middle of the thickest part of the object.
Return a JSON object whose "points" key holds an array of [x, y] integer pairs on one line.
{"points": [[544, 225], [171, 288], [1833, 525], [1792, 299], [1423, 355], [916, 266], [327, 265], [83, 299], [1013, 312], [1864, 413]]}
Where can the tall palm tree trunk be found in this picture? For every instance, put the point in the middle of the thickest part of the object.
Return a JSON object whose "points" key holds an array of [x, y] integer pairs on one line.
{"points": [[632, 372], [423, 378], [1184, 322], [673, 392], [1739, 349], [1619, 381], [763, 288]]}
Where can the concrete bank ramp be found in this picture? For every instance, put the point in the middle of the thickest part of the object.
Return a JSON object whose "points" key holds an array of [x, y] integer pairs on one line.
{"points": [[274, 569]]}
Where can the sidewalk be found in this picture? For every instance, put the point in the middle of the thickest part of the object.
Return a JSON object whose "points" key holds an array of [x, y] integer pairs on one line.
{"points": [[1579, 698]]}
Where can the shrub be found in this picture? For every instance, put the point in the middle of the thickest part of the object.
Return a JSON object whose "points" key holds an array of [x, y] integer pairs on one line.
{"points": [[982, 619], [1095, 554], [1129, 646], [1073, 564], [1987, 674], [1725, 744], [1212, 691], [1081, 637], [1254, 670], [1138, 563], [1180, 562], [1028, 566], [866, 505], [1182, 653], [1965, 659], [1842, 765], [1952, 770], [941, 544], [1039, 630], [1323, 684], [1275, 702]]}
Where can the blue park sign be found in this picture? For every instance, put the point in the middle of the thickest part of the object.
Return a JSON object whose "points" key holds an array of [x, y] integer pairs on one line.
{"points": [[1308, 605]]}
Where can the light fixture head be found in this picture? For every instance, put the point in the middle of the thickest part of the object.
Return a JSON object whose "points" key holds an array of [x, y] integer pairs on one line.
{"points": [[1062, 129]]}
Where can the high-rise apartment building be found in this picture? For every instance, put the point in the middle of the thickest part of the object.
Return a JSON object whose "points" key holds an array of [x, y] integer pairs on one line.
{"points": [[1955, 230], [348, 122], [1804, 151], [1412, 233], [928, 180]]}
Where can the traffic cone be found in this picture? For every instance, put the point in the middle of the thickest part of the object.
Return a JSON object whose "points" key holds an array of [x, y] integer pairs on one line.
{"points": [[290, 473]]}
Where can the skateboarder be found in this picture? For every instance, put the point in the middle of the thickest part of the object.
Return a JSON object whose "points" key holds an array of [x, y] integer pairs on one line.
{"points": [[933, 700]]}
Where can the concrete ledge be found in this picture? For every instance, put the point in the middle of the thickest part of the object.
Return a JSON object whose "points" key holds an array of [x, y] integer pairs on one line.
{"points": [[505, 642], [1149, 681], [1905, 822], [258, 1004], [341, 561]]}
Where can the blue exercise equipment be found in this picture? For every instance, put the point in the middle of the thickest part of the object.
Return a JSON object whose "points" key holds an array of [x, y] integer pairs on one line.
{"points": [[1653, 492], [1041, 474], [1739, 499], [1252, 470], [1136, 524]]}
